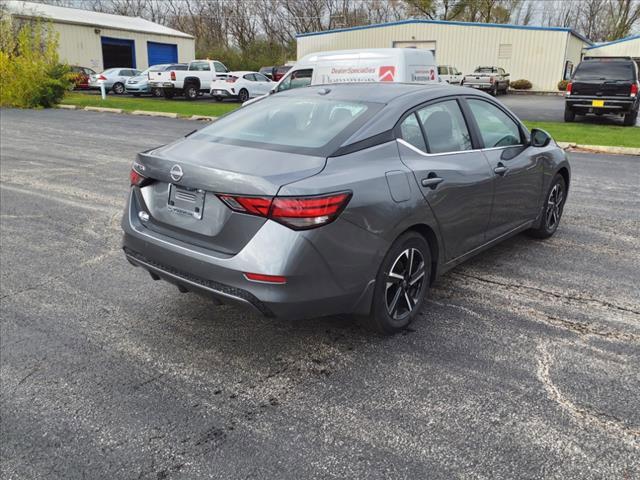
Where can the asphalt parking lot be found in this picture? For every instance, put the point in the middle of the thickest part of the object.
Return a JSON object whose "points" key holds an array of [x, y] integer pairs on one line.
{"points": [[525, 363]]}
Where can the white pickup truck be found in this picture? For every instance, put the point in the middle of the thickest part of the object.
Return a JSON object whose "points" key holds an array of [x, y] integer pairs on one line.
{"points": [[192, 82]]}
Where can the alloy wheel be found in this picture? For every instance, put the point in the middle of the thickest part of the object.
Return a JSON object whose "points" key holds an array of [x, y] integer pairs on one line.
{"points": [[554, 207], [404, 283], [118, 88]]}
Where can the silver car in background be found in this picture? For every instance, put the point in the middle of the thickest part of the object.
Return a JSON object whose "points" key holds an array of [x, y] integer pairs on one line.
{"points": [[113, 79], [344, 198], [139, 84]]}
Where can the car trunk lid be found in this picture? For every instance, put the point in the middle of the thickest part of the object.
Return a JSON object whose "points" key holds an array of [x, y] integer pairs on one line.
{"points": [[187, 175]]}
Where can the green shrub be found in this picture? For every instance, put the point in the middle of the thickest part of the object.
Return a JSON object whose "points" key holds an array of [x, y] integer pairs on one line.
{"points": [[30, 73], [256, 54], [562, 85], [521, 84]]}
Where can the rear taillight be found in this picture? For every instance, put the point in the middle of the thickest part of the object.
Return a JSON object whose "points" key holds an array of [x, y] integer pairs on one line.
{"points": [[231, 79], [569, 87], [135, 177], [299, 213], [634, 89], [101, 77], [173, 76]]}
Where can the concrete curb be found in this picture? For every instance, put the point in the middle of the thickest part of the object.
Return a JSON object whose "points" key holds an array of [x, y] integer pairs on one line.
{"points": [[103, 109], [203, 117], [600, 149], [138, 112], [155, 114]]}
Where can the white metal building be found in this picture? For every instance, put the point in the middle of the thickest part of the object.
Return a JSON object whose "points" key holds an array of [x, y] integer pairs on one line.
{"points": [[101, 40], [542, 55], [625, 47]]}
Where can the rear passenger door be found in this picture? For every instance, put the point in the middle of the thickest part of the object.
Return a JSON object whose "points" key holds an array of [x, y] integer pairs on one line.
{"points": [[454, 177], [516, 168]]}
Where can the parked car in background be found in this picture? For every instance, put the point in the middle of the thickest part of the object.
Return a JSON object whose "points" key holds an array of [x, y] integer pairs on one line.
{"points": [[267, 72], [241, 85], [139, 84], [450, 74], [82, 75], [113, 79], [604, 86], [193, 81], [491, 79], [351, 198], [279, 72], [407, 65]]}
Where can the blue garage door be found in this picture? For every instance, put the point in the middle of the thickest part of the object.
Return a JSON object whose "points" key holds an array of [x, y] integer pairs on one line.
{"points": [[159, 53]]}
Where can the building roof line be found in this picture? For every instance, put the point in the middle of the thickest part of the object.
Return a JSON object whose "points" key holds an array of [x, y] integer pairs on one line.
{"points": [[449, 22], [620, 40], [75, 16]]}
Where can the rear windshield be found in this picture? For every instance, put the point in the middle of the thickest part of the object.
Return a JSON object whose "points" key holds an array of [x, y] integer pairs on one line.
{"points": [[303, 125], [485, 70], [597, 70]]}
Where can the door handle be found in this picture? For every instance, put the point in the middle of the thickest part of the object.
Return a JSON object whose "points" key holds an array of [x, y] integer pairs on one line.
{"points": [[500, 169], [431, 182]]}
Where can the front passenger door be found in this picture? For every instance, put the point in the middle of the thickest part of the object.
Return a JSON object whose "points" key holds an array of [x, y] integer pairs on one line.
{"points": [[517, 168]]}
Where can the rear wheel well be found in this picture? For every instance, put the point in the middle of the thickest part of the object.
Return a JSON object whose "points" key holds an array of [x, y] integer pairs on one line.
{"points": [[195, 81], [430, 236]]}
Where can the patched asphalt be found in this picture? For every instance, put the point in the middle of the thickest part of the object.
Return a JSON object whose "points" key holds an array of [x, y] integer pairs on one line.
{"points": [[524, 364]]}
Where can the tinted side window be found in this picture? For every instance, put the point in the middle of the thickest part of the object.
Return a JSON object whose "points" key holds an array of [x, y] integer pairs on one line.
{"points": [[497, 129], [260, 78], [411, 132], [220, 68], [445, 127], [299, 78], [442, 70]]}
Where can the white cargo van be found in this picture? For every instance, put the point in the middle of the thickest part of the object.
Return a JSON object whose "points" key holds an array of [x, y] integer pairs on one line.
{"points": [[408, 65]]}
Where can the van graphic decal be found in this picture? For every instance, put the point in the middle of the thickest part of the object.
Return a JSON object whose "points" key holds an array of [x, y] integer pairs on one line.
{"points": [[387, 73]]}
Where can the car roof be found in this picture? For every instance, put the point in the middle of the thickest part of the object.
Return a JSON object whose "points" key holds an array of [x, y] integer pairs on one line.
{"points": [[379, 92]]}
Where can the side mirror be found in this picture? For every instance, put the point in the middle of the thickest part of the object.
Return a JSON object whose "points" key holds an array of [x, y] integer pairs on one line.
{"points": [[540, 138]]}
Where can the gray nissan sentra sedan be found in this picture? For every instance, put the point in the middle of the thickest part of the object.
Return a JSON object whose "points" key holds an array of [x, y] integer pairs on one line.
{"points": [[341, 198]]}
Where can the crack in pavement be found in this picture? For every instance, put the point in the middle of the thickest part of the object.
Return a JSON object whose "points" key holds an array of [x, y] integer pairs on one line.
{"points": [[582, 415], [577, 298]]}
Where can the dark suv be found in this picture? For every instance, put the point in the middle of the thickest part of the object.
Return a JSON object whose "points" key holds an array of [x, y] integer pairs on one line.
{"points": [[604, 86]]}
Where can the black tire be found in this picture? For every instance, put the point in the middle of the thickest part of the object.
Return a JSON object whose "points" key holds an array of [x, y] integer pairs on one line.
{"points": [[136, 94], [494, 90], [217, 98], [191, 92], [630, 118], [243, 95], [168, 94], [396, 301], [117, 88], [569, 115], [156, 92], [552, 209]]}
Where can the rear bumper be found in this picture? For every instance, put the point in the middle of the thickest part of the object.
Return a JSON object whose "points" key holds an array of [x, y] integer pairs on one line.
{"points": [[479, 86], [218, 92], [611, 104], [314, 287]]}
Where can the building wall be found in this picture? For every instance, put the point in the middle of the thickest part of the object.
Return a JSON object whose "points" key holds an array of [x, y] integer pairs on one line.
{"points": [[575, 47], [629, 48], [81, 45], [536, 55]]}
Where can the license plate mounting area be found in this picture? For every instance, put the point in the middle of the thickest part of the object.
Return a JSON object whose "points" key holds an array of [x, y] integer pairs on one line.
{"points": [[186, 201]]}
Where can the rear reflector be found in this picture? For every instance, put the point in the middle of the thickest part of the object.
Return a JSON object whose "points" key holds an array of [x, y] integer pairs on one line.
{"points": [[298, 213], [259, 277]]}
